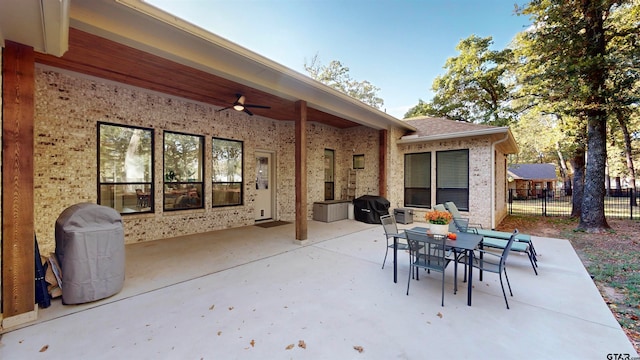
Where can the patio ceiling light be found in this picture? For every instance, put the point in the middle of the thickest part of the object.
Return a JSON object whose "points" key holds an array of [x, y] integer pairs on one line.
{"points": [[239, 105]]}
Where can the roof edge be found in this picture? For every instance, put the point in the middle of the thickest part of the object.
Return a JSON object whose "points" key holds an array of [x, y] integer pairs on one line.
{"points": [[407, 139]]}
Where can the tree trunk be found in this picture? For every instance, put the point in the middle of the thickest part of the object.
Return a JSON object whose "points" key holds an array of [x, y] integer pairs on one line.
{"points": [[628, 153], [592, 218], [577, 162], [607, 179], [564, 171]]}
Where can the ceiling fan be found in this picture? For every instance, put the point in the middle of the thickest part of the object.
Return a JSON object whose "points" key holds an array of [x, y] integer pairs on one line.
{"points": [[240, 105]]}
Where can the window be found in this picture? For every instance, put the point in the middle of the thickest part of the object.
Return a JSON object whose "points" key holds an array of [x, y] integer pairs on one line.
{"points": [[125, 166], [227, 172], [358, 161], [417, 180], [183, 171], [329, 184], [452, 180]]}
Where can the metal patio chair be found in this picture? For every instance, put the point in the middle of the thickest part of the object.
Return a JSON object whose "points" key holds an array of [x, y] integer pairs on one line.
{"points": [[391, 231]]}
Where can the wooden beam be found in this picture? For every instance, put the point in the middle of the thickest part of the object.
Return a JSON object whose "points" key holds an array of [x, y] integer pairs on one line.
{"points": [[18, 252], [301, 170], [382, 166]]}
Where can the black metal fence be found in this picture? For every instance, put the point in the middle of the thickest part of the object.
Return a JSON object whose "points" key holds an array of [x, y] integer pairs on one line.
{"points": [[618, 204]]}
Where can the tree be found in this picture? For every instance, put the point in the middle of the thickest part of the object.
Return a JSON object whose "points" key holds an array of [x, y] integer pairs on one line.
{"points": [[623, 85], [566, 62], [475, 87], [337, 76]]}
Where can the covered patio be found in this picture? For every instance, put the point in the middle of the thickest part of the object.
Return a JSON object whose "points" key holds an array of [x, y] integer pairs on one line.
{"points": [[252, 292]]}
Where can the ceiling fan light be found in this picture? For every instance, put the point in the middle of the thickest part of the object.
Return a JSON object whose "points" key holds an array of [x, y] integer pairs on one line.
{"points": [[239, 104]]}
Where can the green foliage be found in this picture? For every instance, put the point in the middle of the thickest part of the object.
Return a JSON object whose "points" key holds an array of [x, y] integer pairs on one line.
{"points": [[337, 76], [183, 157], [475, 88]]}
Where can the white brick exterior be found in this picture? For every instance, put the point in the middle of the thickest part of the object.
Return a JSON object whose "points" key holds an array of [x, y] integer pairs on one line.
{"points": [[69, 106]]}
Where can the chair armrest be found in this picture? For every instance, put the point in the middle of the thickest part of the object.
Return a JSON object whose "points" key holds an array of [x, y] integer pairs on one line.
{"points": [[484, 252]]}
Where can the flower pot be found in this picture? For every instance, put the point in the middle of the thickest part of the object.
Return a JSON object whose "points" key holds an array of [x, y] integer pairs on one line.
{"points": [[438, 229]]}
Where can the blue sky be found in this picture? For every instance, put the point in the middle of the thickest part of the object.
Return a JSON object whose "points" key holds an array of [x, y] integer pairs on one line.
{"points": [[400, 46]]}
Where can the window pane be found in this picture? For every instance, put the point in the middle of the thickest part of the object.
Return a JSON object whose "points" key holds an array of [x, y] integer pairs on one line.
{"points": [[329, 174], [417, 197], [227, 194], [182, 157], [182, 196], [227, 169], [358, 161], [452, 178], [328, 165], [183, 171], [227, 160], [417, 180], [126, 168]]}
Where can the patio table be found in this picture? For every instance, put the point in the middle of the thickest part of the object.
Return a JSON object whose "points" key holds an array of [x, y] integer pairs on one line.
{"points": [[464, 241]]}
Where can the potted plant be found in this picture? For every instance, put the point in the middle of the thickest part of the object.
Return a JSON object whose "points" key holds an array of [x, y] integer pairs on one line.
{"points": [[439, 221]]}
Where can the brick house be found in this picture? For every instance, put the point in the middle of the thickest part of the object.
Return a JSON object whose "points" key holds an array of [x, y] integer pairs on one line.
{"points": [[112, 70], [529, 180]]}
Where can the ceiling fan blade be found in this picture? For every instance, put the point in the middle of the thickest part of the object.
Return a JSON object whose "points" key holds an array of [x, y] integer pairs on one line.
{"points": [[247, 111], [223, 109], [257, 106]]}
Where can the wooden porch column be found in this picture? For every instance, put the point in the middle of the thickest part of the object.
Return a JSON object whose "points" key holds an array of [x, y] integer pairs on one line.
{"points": [[382, 166], [18, 253], [301, 170]]}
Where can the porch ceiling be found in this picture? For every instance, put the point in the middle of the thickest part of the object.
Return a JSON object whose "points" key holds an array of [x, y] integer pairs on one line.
{"points": [[96, 56]]}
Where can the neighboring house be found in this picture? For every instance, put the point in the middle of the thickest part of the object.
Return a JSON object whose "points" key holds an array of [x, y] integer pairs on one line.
{"points": [[529, 180], [121, 104]]}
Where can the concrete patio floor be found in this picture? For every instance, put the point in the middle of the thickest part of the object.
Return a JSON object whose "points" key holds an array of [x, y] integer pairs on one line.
{"points": [[252, 293]]}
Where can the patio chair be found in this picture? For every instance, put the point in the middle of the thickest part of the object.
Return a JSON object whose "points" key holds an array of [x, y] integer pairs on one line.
{"points": [[453, 209], [429, 253], [477, 228], [494, 263], [391, 231], [497, 243]]}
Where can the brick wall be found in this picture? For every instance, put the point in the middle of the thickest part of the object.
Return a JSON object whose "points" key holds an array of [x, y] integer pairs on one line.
{"points": [[69, 106], [479, 173]]}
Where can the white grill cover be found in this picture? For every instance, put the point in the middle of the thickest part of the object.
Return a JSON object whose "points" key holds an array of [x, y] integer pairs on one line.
{"points": [[90, 251]]}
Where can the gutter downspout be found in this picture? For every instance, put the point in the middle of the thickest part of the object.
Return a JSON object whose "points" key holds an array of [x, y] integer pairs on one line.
{"points": [[493, 179]]}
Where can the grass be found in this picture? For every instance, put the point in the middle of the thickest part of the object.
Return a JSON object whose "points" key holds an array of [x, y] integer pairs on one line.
{"points": [[615, 207]]}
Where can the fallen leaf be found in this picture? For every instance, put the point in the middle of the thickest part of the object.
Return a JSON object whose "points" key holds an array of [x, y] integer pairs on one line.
{"points": [[230, 307], [289, 347], [253, 343], [219, 333], [358, 348], [439, 315], [302, 344], [211, 307], [44, 348]]}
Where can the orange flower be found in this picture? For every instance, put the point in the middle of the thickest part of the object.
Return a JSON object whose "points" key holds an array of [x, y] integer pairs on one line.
{"points": [[438, 217]]}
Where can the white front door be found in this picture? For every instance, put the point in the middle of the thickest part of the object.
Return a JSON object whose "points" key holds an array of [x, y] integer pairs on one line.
{"points": [[265, 186]]}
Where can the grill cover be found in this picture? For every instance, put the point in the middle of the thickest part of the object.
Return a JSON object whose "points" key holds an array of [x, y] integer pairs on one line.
{"points": [[90, 251], [369, 208]]}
